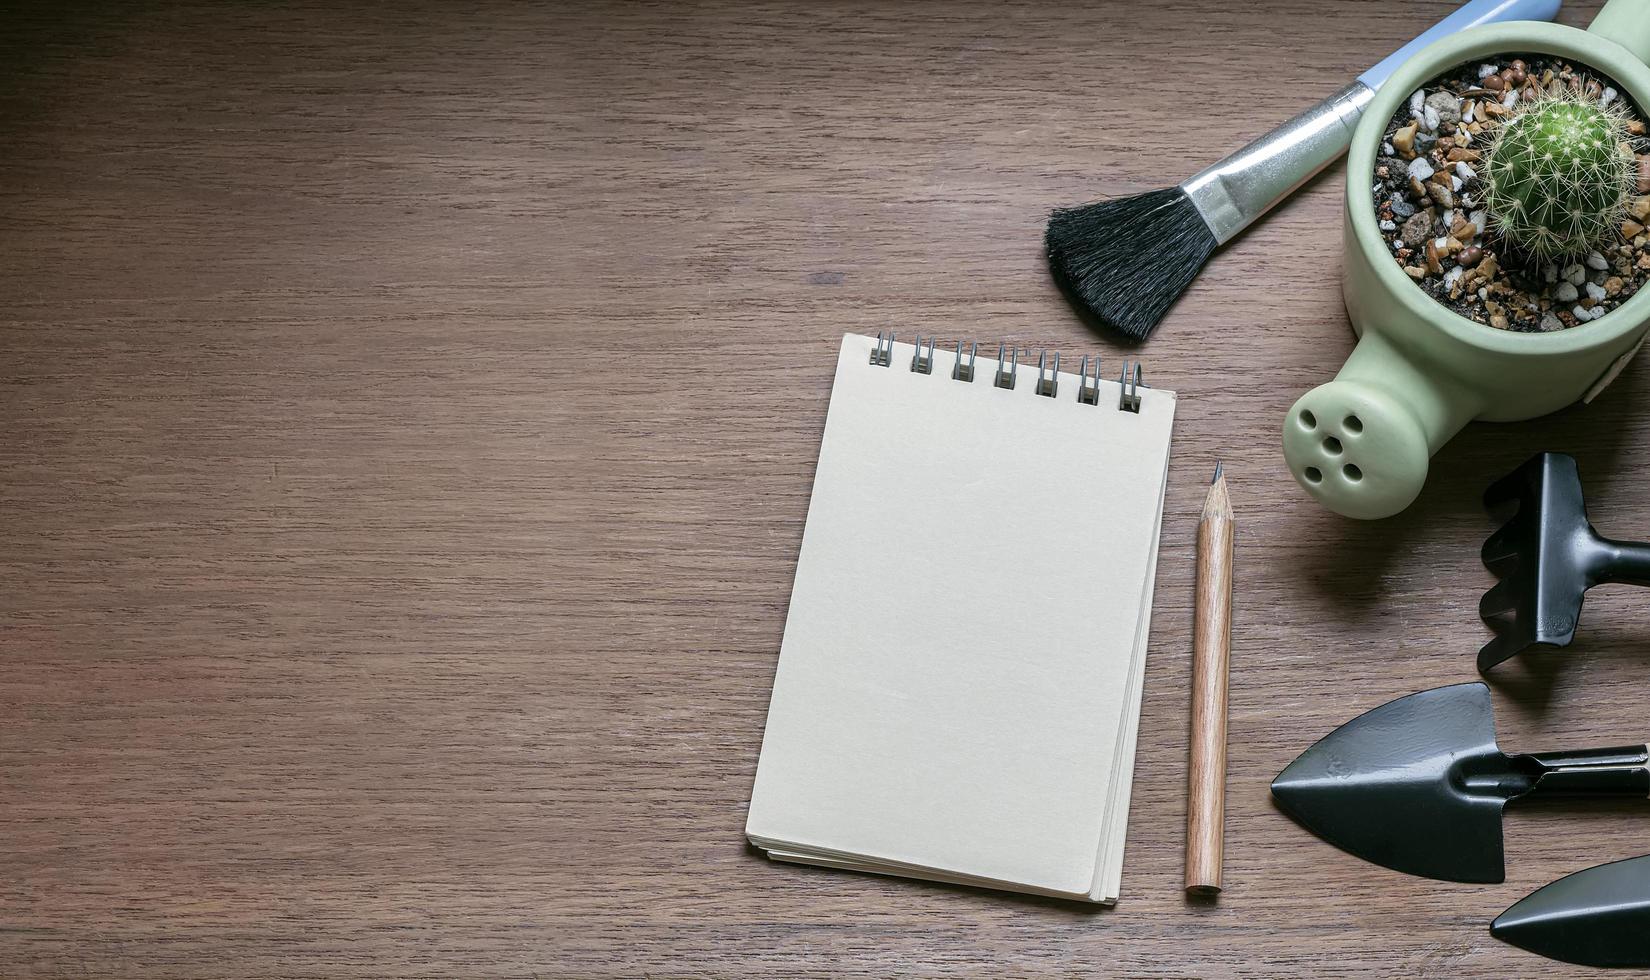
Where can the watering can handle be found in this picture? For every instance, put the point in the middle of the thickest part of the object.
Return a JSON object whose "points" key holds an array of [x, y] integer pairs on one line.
{"points": [[1626, 22]]}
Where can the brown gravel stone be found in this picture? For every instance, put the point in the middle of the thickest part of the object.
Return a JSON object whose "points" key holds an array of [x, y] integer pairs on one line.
{"points": [[1417, 228], [1404, 140]]}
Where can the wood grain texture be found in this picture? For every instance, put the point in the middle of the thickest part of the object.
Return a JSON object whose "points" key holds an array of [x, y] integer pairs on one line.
{"points": [[1211, 661], [408, 419]]}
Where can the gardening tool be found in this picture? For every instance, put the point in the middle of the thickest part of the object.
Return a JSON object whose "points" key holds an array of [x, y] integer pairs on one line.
{"points": [[1547, 557], [1596, 917], [1362, 443], [1126, 260], [1418, 784]]}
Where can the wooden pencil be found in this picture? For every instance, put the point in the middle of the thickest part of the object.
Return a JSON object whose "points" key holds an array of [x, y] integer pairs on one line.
{"points": [[1211, 636]]}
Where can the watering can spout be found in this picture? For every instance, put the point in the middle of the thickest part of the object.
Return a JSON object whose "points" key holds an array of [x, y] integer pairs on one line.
{"points": [[1626, 22], [1361, 443]]}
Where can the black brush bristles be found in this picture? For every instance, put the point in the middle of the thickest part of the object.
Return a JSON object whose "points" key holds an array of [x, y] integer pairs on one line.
{"points": [[1127, 260]]}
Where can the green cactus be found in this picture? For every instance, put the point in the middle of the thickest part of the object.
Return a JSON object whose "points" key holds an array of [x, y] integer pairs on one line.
{"points": [[1558, 175]]}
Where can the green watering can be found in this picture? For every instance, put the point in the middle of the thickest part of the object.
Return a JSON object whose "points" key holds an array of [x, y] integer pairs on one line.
{"points": [[1361, 444]]}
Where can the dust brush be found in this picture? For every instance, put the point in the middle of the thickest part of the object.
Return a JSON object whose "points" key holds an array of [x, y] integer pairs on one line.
{"points": [[1126, 260]]}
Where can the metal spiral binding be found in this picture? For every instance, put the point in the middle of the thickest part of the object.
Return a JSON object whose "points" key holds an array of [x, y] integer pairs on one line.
{"points": [[1048, 385], [1006, 378], [920, 362], [961, 371], [883, 353], [1130, 381], [1088, 394], [1128, 400]]}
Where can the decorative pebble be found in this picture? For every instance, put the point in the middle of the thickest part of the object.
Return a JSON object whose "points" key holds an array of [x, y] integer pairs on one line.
{"points": [[1549, 323], [1583, 314], [1401, 208], [1596, 292], [1607, 97], [1549, 272], [1445, 107], [1565, 292], [1464, 172], [1596, 261], [1388, 225], [1416, 100], [1420, 169], [1575, 274], [1485, 71], [1416, 229], [1470, 255], [1430, 120], [1404, 140]]}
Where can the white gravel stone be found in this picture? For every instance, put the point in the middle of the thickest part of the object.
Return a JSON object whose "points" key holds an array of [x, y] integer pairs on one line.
{"points": [[1456, 184], [1388, 225], [1607, 96], [1565, 293], [1549, 323], [1510, 99], [1596, 291], [1430, 117], [1465, 172], [1416, 100], [1575, 273], [1453, 276], [1388, 149], [1485, 71], [1420, 169], [1583, 314], [1597, 261]]}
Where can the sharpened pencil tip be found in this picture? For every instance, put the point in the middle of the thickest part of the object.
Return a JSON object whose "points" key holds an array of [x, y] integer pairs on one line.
{"points": [[1216, 478]]}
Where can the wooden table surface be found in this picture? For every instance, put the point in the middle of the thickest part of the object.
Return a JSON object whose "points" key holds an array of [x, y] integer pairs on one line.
{"points": [[407, 417]]}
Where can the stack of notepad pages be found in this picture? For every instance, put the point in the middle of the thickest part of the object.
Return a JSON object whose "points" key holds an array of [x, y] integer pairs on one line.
{"points": [[959, 683]]}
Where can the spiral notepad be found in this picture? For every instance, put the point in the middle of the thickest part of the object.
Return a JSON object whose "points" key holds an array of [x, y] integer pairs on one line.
{"points": [[959, 683]]}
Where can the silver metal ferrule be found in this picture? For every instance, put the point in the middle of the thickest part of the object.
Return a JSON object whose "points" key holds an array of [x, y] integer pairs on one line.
{"points": [[1239, 189]]}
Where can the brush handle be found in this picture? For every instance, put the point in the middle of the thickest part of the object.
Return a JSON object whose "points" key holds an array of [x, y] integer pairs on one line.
{"points": [[1467, 15], [1232, 194]]}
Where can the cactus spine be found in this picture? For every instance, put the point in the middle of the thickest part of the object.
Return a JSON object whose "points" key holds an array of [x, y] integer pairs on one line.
{"points": [[1558, 175]]}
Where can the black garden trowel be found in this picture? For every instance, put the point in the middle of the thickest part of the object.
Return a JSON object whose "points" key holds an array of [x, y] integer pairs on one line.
{"points": [[1418, 784], [1596, 917], [1547, 557]]}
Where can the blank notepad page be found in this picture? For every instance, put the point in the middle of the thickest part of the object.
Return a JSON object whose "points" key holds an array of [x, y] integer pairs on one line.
{"points": [[959, 681]]}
